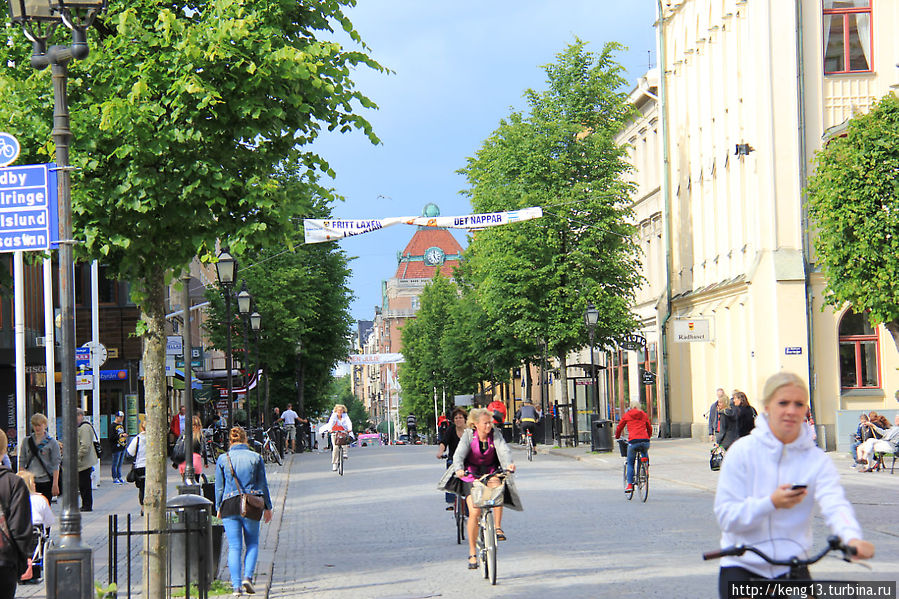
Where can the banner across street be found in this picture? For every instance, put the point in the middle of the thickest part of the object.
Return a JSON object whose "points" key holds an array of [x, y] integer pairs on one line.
{"points": [[318, 231]]}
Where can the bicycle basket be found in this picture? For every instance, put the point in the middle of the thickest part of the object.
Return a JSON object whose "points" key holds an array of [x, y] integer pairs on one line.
{"points": [[482, 495], [342, 438], [622, 447]]}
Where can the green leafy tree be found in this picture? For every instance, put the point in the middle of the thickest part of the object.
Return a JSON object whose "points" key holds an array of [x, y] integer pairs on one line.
{"points": [[853, 199], [534, 279], [191, 127]]}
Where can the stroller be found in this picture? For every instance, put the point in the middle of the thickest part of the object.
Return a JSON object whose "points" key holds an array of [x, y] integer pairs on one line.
{"points": [[40, 542]]}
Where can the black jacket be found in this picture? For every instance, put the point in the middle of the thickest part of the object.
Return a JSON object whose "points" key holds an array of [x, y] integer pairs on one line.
{"points": [[729, 431], [16, 503], [745, 420]]}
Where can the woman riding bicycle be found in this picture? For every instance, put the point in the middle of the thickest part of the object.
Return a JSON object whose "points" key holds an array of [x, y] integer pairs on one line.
{"points": [[481, 450], [448, 442], [770, 480], [338, 425], [639, 431]]}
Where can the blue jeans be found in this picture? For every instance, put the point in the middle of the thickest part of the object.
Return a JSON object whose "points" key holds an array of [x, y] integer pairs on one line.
{"points": [[239, 531], [632, 449], [117, 457]]}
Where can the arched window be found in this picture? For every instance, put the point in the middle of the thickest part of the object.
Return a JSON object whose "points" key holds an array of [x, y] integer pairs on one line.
{"points": [[859, 353]]}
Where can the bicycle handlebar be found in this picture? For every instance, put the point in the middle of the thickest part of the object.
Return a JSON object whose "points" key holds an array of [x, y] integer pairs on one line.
{"points": [[833, 544]]}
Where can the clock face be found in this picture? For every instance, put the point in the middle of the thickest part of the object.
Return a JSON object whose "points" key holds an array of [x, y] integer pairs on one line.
{"points": [[434, 256]]}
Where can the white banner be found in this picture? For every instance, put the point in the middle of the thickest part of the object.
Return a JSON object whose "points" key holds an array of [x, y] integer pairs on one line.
{"points": [[356, 359], [318, 231]]}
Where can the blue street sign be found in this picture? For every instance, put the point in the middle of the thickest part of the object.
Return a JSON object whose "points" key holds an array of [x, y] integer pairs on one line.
{"points": [[28, 213], [82, 357], [9, 149]]}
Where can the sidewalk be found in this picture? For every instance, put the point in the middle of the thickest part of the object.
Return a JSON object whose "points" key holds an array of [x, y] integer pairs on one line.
{"points": [[875, 495]]}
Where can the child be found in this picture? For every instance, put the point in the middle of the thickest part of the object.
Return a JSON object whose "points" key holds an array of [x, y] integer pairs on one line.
{"points": [[41, 515]]}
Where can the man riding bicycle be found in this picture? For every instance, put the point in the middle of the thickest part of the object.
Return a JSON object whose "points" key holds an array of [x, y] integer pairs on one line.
{"points": [[527, 418], [639, 431], [411, 428]]}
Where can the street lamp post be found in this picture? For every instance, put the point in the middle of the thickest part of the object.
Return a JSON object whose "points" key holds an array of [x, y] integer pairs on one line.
{"points": [[225, 269], [189, 482], [591, 317], [69, 565], [300, 377], [255, 324], [244, 301]]}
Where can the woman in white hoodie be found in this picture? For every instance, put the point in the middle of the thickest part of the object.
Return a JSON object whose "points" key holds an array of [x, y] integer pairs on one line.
{"points": [[756, 503]]}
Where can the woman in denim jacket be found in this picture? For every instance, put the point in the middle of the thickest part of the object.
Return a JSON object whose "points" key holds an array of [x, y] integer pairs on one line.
{"points": [[250, 471]]}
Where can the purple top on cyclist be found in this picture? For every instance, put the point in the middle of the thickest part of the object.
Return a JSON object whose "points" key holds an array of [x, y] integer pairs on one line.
{"points": [[480, 460]]}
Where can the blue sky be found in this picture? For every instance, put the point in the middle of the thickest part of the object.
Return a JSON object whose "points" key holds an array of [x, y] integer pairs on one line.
{"points": [[458, 68]]}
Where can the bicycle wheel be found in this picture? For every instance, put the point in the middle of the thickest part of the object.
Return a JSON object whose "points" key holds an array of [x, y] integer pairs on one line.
{"points": [[482, 548], [644, 481], [276, 457], [340, 462], [490, 540], [628, 494], [460, 520], [530, 450]]}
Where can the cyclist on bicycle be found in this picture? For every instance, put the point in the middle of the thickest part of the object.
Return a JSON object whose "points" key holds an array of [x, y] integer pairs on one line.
{"points": [[481, 450], [769, 483], [527, 418], [411, 428], [639, 431], [448, 442], [337, 424]]}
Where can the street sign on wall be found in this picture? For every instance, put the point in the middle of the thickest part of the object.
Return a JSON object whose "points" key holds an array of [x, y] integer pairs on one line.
{"points": [[28, 217], [696, 330]]}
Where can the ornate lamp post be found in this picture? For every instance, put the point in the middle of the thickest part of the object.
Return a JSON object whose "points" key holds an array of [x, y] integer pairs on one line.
{"points": [[189, 473], [300, 377], [69, 565], [225, 269], [244, 301], [591, 317], [255, 324]]}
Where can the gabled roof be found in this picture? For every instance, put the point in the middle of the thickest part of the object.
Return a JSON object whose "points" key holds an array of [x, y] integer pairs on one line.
{"points": [[412, 264]]}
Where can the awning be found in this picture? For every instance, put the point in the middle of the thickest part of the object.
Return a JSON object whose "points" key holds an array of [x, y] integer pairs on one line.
{"points": [[179, 376]]}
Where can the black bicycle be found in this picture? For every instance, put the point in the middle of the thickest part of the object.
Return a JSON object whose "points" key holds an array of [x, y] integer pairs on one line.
{"points": [[460, 514], [798, 568], [641, 472]]}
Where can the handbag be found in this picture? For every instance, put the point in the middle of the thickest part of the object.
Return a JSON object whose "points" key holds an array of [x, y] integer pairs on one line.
{"points": [[716, 458], [132, 475], [251, 506]]}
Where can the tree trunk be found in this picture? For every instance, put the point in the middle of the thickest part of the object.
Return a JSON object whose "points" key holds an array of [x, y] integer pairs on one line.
{"points": [[893, 328], [153, 314], [564, 407], [527, 381]]}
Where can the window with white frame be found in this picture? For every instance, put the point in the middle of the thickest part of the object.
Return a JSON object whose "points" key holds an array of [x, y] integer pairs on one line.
{"points": [[847, 36]]}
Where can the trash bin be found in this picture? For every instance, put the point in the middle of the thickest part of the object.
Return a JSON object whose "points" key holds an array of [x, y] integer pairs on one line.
{"points": [[507, 432], [188, 520], [601, 437]]}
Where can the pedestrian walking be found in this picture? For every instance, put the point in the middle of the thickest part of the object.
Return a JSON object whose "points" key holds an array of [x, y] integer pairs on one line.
{"points": [[719, 404], [289, 417], [87, 459], [119, 442], [137, 449], [40, 455], [15, 527], [239, 472]]}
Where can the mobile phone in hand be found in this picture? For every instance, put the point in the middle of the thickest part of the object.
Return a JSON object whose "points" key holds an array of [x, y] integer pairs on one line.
{"points": [[798, 487]]}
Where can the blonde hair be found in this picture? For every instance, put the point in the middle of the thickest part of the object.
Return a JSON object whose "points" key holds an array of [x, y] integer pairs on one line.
{"points": [[782, 379], [38, 418], [341, 406], [4, 443], [237, 435], [475, 415], [29, 480]]}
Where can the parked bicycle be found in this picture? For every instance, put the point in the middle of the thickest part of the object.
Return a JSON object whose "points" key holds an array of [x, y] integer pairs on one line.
{"points": [[641, 472], [798, 569], [270, 453], [486, 498]]}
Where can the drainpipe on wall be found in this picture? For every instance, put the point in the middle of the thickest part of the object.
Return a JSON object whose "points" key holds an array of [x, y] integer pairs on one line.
{"points": [[806, 228], [666, 219]]}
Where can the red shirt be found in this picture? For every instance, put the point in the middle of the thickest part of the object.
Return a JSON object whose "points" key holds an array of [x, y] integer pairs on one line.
{"points": [[638, 425]]}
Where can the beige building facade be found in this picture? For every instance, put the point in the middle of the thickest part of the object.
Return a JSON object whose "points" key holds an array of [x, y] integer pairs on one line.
{"points": [[747, 91]]}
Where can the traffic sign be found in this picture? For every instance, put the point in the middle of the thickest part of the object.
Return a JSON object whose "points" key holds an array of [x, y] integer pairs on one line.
{"points": [[9, 148], [28, 218], [82, 357]]}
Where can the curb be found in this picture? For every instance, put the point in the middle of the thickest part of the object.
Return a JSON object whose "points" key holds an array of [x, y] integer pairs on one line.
{"points": [[264, 574]]}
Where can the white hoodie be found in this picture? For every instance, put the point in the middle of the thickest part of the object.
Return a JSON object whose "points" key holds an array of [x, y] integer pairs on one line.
{"points": [[753, 468]]}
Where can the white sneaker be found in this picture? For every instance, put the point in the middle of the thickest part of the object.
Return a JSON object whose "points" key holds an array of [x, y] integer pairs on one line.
{"points": [[248, 587], [333, 467]]}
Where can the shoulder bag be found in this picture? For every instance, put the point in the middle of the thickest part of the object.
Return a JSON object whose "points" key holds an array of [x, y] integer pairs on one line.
{"points": [[251, 506], [132, 475], [36, 454], [97, 447]]}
